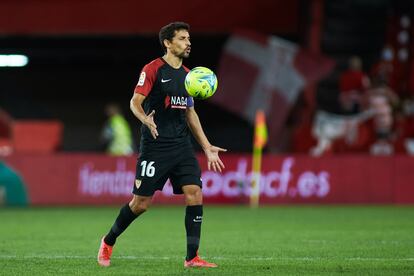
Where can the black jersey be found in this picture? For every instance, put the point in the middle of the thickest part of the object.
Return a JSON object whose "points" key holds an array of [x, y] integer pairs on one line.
{"points": [[165, 93]]}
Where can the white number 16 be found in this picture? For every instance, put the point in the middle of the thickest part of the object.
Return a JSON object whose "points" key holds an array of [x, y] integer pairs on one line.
{"points": [[147, 170]]}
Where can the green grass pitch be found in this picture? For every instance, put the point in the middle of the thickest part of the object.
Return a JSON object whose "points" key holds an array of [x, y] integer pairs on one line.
{"points": [[283, 240]]}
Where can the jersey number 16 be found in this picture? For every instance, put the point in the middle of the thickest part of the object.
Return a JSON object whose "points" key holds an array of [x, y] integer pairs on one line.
{"points": [[147, 168]]}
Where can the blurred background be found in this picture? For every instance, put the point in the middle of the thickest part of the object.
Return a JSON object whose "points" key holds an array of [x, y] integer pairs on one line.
{"points": [[333, 77]]}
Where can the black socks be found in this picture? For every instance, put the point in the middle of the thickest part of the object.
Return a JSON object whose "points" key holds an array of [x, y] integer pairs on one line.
{"points": [[193, 219], [124, 219]]}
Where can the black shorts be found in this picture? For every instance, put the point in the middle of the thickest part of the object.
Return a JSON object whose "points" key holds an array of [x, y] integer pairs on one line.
{"points": [[154, 168]]}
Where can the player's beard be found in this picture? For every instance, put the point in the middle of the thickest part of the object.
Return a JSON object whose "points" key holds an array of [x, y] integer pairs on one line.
{"points": [[183, 54]]}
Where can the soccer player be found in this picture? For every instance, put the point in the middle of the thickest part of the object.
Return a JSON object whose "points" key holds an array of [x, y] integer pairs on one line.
{"points": [[167, 114]]}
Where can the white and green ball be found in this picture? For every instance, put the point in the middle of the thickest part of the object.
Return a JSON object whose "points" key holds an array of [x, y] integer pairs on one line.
{"points": [[201, 83]]}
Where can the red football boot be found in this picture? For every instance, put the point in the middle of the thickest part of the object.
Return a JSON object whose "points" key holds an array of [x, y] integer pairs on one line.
{"points": [[198, 262], [104, 254]]}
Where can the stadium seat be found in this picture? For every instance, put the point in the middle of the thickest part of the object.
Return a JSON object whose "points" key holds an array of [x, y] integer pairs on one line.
{"points": [[36, 136]]}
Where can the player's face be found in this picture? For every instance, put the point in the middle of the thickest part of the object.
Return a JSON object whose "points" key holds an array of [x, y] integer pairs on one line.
{"points": [[180, 45]]}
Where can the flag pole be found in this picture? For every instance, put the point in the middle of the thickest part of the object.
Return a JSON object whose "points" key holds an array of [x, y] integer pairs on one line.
{"points": [[256, 172], [260, 139]]}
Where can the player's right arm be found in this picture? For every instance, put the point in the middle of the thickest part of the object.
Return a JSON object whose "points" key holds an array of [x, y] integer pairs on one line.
{"points": [[147, 120], [142, 90]]}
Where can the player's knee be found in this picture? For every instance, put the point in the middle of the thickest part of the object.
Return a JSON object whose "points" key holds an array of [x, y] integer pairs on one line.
{"points": [[138, 208], [194, 196], [139, 205]]}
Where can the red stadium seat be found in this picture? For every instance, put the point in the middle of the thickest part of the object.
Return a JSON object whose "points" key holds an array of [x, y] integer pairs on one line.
{"points": [[36, 136]]}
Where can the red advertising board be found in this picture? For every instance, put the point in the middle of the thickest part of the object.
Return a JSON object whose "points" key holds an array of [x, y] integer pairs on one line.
{"points": [[87, 179]]}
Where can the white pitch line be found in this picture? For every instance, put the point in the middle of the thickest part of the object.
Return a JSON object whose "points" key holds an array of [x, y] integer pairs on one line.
{"points": [[56, 257]]}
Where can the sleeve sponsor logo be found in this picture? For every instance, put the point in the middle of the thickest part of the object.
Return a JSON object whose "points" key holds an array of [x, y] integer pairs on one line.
{"points": [[141, 79]]}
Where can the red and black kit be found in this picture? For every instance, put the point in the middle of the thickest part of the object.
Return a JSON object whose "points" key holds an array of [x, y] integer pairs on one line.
{"points": [[170, 155]]}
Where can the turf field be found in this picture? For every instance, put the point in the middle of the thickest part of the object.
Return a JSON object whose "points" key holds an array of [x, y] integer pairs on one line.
{"points": [[304, 240]]}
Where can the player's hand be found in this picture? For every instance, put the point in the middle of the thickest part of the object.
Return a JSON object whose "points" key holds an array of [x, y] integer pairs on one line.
{"points": [[213, 159], [149, 122]]}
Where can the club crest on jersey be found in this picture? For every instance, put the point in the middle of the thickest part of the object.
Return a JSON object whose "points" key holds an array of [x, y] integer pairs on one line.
{"points": [[141, 79], [138, 183], [178, 102]]}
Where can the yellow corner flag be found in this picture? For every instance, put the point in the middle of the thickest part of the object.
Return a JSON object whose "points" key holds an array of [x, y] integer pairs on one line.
{"points": [[260, 140]]}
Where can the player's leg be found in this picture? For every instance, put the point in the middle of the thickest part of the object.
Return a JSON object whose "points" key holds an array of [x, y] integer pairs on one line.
{"points": [[186, 178], [151, 174], [128, 213], [193, 219]]}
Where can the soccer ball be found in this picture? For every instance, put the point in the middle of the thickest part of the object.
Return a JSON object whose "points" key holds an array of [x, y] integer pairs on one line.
{"points": [[201, 83]]}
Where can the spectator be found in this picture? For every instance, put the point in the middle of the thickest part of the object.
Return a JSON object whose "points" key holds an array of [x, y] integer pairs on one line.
{"points": [[352, 85], [381, 101], [406, 126], [116, 134], [383, 70]]}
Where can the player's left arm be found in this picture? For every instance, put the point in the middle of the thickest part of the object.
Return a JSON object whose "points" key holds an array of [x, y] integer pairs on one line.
{"points": [[212, 152]]}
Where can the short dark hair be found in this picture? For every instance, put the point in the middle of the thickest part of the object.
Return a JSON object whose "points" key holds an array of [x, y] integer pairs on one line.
{"points": [[168, 32]]}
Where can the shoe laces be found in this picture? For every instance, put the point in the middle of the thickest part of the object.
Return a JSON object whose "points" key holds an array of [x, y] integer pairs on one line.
{"points": [[199, 260], [106, 252]]}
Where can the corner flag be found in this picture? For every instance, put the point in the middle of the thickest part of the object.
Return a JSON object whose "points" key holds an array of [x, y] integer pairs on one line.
{"points": [[260, 140]]}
